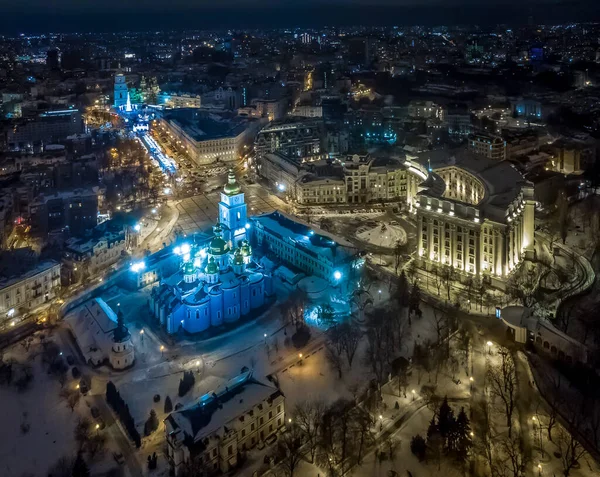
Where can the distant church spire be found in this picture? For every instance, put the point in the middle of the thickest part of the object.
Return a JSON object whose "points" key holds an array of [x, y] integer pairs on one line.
{"points": [[128, 104]]}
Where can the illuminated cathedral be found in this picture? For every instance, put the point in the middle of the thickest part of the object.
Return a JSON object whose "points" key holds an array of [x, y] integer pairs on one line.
{"points": [[217, 282]]}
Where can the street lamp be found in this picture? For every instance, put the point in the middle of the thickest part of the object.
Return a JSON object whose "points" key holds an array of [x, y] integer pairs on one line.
{"points": [[162, 351], [380, 423], [142, 334], [539, 469], [265, 335], [413, 394], [489, 345], [471, 381]]}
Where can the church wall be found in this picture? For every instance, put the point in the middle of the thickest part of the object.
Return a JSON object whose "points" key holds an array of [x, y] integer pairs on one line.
{"points": [[257, 298], [216, 308], [197, 318], [231, 304], [245, 298]]}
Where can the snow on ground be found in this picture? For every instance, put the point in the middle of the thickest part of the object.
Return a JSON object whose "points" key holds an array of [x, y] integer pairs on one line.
{"points": [[40, 407], [384, 235]]}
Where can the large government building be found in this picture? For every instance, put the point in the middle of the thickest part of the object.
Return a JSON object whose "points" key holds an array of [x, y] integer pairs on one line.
{"points": [[475, 211], [474, 214], [355, 179]]}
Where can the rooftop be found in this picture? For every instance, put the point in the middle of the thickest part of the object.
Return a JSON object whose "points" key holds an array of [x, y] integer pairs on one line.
{"points": [[205, 127], [217, 408], [314, 241], [501, 180]]}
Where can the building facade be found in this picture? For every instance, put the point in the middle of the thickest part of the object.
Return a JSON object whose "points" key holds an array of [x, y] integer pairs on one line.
{"points": [[300, 139], [354, 179], [209, 138], [474, 216], [305, 248], [485, 145], [179, 100], [29, 290], [224, 424], [76, 209], [96, 253]]}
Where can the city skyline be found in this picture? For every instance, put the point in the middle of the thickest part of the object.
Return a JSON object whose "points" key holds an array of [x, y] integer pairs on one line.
{"points": [[70, 16]]}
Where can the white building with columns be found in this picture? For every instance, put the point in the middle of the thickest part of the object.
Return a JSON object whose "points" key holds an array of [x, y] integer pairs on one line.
{"points": [[474, 214]]}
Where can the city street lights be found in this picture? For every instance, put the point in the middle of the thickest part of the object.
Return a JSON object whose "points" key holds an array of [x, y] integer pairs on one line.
{"points": [[380, 423], [162, 351], [471, 381], [413, 394], [142, 335], [489, 346], [539, 469], [265, 335], [198, 365]]}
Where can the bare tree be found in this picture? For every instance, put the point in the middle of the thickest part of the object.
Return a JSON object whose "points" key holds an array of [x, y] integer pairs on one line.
{"points": [[571, 451], [502, 379], [362, 426], [292, 310], [308, 415], [351, 334], [509, 458], [72, 397], [62, 468], [522, 285], [96, 445], [289, 450], [335, 359], [82, 432]]}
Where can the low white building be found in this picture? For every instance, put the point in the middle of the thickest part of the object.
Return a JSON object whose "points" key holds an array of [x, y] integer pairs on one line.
{"points": [[101, 335], [526, 327], [29, 290], [224, 424]]}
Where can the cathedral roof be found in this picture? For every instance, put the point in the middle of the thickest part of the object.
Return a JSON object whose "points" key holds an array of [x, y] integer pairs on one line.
{"points": [[211, 268], [218, 246], [232, 187], [189, 268]]}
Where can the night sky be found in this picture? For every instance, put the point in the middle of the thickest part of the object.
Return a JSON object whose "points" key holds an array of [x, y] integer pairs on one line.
{"points": [[114, 15]]}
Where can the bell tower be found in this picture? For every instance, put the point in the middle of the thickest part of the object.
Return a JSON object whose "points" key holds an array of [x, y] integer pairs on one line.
{"points": [[232, 211], [120, 91]]}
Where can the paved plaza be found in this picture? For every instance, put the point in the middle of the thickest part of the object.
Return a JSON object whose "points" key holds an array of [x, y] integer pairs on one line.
{"points": [[200, 212]]}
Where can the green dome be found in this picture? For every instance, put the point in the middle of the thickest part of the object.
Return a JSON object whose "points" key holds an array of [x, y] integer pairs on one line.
{"points": [[218, 246], [211, 268], [246, 249], [232, 187], [189, 268], [238, 258]]}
